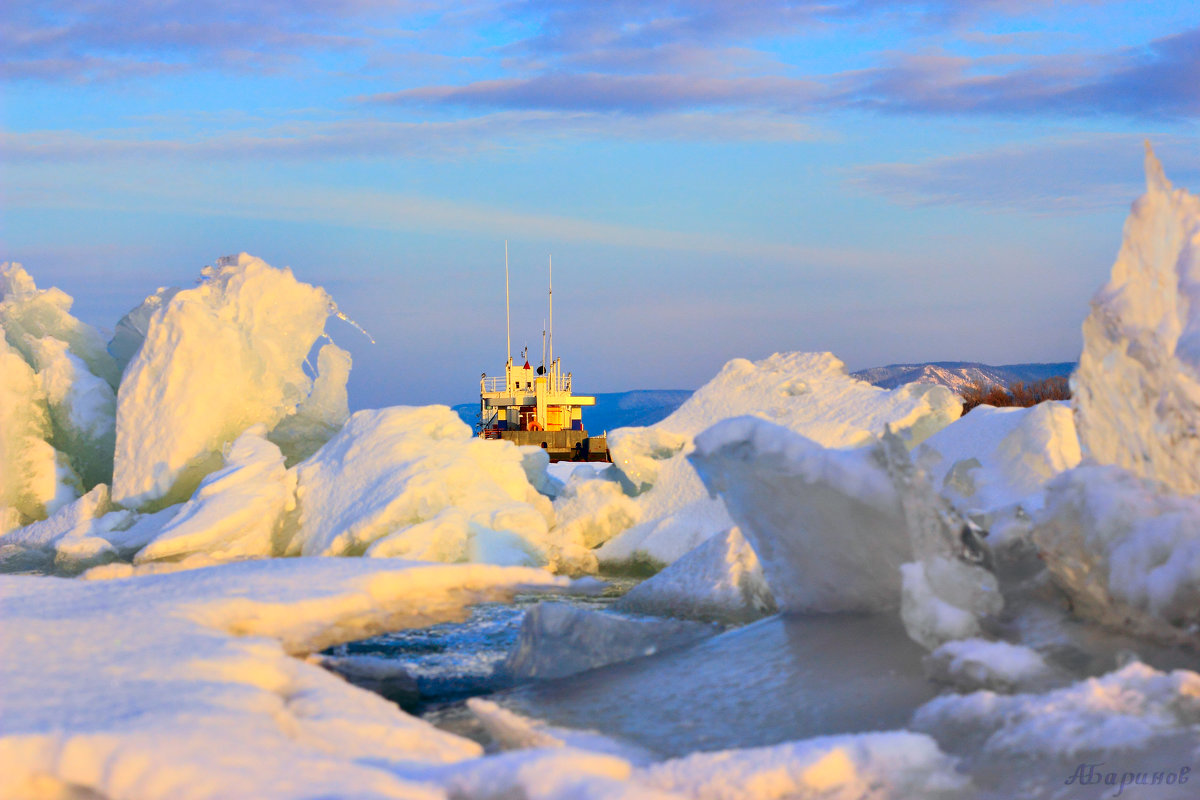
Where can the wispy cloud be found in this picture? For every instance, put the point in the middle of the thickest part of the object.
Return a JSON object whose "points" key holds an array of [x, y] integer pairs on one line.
{"points": [[574, 26], [103, 40], [1079, 174], [98, 40], [1158, 79], [626, 93], [357, 138], [198, 193]]}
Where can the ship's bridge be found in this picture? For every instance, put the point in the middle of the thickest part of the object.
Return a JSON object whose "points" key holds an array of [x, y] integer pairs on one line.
{"points": [[524, 400]]}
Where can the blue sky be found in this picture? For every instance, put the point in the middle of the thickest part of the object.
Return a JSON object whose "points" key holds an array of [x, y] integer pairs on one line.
{"points": [[891, 181]]}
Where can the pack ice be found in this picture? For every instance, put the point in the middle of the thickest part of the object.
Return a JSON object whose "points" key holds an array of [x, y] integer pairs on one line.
{"points": [[192, 684], [810, 393], [831, 496], [57, 399], [1123, 540], [216, 359], [227, 447]]}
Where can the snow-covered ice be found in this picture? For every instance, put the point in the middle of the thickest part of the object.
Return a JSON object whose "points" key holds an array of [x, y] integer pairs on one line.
{"points": [[217, 359], [1137, 387], [997, 457], [239, 511], [323, 413], [874, 765], [721, 580], [56, 401], [559, 639], [83, 409], [513, 732], [415, 482], [808, 393], [592, 511], [1127, 710], [783, 483], [182, 685], [812, 394], [1125, 549], [969, 664], [1123, 539], [30, 314], [826, 524], [35, 479], [71, 538]]}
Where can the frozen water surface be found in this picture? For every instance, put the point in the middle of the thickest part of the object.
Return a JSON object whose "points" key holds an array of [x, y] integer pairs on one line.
{"points": [[456, 660], [783, 678]]}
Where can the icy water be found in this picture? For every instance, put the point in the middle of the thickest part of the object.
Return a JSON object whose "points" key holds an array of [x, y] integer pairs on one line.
{"points": [[782, 678], [778, 679], [457, 660]]}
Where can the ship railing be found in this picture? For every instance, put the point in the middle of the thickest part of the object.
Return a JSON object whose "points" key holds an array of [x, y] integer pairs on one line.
{"points": [[556, 384], [489, 427]]}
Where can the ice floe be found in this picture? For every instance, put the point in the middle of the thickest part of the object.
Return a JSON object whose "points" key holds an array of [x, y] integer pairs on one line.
{"points": [[826, 524], [558, 639], [239, 511], [1137, 387], [415, 482], [807, 393], [997, 457], [217, 359], [721, 580], [181, 685]]}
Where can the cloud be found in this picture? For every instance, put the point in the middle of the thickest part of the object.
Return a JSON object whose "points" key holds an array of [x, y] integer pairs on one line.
{"points": [[361, 138], [199, 193], [1159, 79], [636, 94], [1081, 174], [574, 26], [102, 40]]}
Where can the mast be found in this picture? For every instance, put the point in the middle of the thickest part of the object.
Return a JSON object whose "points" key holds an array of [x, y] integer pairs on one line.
{"points": [[507, 316], [550, 353]]}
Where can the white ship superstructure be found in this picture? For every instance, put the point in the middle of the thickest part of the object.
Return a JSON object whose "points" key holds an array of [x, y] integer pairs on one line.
{"points": [[530, 405]]}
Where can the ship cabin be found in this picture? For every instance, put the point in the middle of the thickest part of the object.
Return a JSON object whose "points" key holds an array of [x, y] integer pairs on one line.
{"points": [[529, 406]]}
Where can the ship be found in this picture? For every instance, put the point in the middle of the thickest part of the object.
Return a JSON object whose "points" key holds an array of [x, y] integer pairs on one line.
{"points": [[537, 406]]}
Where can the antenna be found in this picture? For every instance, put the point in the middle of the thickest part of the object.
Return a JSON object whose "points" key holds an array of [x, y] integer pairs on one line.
{"points": [[507, 316], [543, 344], [551, 326]]}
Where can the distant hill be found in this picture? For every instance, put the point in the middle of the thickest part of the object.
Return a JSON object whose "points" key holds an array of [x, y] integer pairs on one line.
{"points": [[957, 375], [613, 409]]}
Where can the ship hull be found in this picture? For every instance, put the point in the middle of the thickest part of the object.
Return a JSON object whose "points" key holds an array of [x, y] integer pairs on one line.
{"points": [[559, 445]]}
